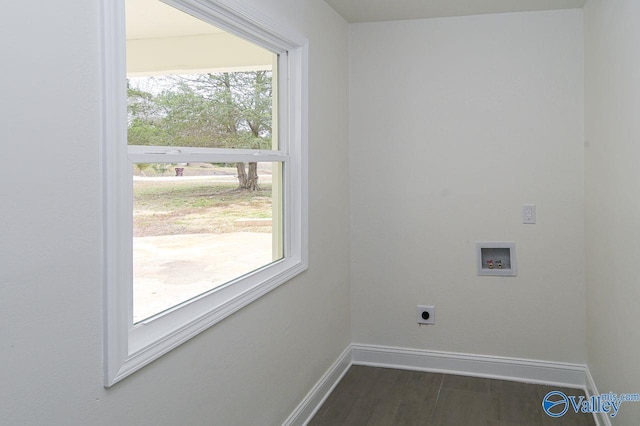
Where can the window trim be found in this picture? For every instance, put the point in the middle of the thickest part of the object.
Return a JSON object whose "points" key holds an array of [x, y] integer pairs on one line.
{"points": [[129, 347]]}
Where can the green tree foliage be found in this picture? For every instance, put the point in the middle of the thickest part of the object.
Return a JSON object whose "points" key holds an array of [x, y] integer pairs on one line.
{"points": [[214, 110], [221, 110]]}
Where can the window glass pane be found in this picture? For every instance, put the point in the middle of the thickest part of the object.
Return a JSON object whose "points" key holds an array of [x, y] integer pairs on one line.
{"points": [[195, 229], [198, 226], [213, 110], [192, 84]]}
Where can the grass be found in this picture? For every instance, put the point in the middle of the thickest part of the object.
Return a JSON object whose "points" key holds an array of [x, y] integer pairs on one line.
{"points": [[190, 207]]}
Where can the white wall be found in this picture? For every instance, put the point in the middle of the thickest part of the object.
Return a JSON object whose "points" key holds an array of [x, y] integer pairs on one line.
{"points": [[455, 124], [612, 185], [252, 368]]}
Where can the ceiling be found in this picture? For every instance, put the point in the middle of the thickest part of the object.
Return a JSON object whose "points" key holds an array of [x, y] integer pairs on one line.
{"points": [[154, 19], [163, 40], [393, 10]]}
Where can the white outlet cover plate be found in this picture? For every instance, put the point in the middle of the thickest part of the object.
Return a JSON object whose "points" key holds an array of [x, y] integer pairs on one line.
{"points": [[432, 314], [529, 214]]}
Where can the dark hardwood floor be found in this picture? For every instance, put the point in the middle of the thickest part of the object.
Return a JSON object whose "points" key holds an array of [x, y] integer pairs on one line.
{"points": [[383, 396]]}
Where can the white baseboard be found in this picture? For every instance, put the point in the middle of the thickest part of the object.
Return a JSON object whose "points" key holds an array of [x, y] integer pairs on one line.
{"points": [[493, 367], [601, 419], [320, 391]]}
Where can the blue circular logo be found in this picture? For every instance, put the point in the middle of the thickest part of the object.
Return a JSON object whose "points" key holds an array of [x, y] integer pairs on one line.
{"points": [[555, 404]]}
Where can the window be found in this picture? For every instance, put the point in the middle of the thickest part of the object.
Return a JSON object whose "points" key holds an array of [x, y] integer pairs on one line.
{"points": [[199, 99]]}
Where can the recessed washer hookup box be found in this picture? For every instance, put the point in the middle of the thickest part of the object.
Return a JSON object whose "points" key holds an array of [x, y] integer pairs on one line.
{"points": [[496, 258]]}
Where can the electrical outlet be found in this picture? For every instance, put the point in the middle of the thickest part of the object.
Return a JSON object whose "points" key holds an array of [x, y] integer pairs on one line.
{"points": [[426, 314]]}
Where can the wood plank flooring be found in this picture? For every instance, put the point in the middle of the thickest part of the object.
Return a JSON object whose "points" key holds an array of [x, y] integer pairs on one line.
{"points": [[383, 396]]}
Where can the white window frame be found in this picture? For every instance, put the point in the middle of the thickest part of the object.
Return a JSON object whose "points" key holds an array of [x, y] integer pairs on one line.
{"points": [[128, 346]]}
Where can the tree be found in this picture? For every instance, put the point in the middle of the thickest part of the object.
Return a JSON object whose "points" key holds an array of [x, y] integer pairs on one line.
{"points": [[144, 119], [221, 110], [242, 106]]}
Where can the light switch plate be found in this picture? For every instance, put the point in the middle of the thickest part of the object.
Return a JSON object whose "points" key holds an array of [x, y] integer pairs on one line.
{"points": [[529, 213]]}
